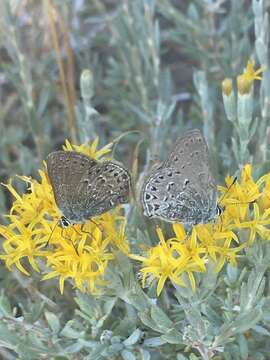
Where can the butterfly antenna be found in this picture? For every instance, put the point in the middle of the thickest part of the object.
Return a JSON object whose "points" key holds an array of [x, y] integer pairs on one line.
{"points": [[229, 188], [54, 227], [117, 140]]}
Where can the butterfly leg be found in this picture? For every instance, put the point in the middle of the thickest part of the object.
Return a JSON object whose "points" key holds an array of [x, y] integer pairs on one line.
{"points": [[89, 233], [85, 232], [98, 225], [69, 239]]}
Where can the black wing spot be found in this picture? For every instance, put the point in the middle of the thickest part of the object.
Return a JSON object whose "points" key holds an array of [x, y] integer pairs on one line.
{"points": [[153, 188], [186, 181], [161, 177], [101, 180], [170, 174], [147, 196], [170, 185], [156, 207]]}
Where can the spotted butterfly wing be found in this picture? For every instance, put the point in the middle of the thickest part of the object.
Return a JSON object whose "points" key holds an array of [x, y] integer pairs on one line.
{"points": [[65, 169], [104, 187], [182, 189], [83, 187]]}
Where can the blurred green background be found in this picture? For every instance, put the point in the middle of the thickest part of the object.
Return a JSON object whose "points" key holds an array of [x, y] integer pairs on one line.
{"points": [[157, 67]]}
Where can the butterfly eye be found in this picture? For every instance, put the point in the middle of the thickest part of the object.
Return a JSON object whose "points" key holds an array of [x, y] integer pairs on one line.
{"points": [[64, 222], [219, 210]]}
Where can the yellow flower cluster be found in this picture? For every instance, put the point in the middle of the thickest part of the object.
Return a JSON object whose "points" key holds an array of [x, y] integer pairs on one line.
{"points": [[78, 253], [247, 78], [246, 214], [250, 73], [244, 81]]}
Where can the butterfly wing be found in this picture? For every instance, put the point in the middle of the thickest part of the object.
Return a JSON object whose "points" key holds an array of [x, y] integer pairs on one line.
{"points": [[190, 152], [65, 170], [190, 156], [183, 189], [103, 187]]}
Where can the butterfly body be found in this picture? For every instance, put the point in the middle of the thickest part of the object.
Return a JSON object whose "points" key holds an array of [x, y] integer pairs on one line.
{"points": [[84, 188], [182, 189]]}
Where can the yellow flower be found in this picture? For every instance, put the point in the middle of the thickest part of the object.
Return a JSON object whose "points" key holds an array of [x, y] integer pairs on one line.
{"points": [[89, 150], [219, 245], [20, 242], [85, 264], [239, 196], [250, 73], [79, 253], [227, 87], [265, 194], [171, 260], [259, 225]]}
